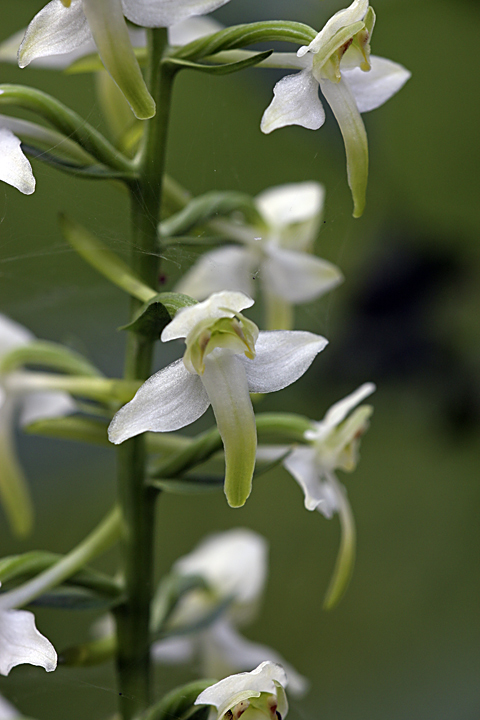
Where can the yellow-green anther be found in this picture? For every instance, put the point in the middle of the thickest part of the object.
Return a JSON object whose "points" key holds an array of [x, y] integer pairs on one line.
{"points": [[326, 62], [237, 334]]}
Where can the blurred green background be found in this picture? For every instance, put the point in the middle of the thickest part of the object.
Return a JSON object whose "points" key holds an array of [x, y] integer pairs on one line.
{"points": [[405, 641]]}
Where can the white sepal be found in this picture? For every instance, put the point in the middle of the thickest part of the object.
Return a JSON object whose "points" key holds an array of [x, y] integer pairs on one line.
{"points": [[174, 650], [54, 30], [20, 642], [42, 405], [15, 169], [301, 464], [228, 267], [298, 277], [339, 411], [282, 356], [163, 13], [372, 89], [168, 400], [292, 203], [7, 711], [295, 102], [192, 29]]}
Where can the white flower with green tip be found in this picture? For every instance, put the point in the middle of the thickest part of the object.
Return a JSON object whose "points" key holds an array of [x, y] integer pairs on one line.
{"points": [[255, 695], [233, 565], [333, 445], [63, 26], [352, 82], [32, 406], [21, 643], [15, 169], [276, 255], [226, 358]]}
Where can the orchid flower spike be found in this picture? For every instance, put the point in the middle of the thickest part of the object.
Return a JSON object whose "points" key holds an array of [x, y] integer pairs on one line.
{"points": [[333, 444], [275, 254], [21, 643], [15, 169], [62, 26], [226, 358], [233, 565], [257, 695], [352, 82], [14, 493]]}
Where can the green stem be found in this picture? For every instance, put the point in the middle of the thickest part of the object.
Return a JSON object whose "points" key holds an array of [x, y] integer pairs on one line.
{"points": [[100, 540], [136, 498]]}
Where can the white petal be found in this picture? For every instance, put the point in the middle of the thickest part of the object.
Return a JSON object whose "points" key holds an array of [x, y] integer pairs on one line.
{"points": [[12, 335], [292, 203], [232, 690], [233, 563], [338, 412], [225, 651], [354, 13], [169, 400], [372, 89], [163, 13], [14, 166], [229, 268], [295, 102], [298, 277], [110, 33], [173, 651], [190, 29], [55, 30], [20, 642], [226, 384], [213, 308], [301, 464], [42, 405], [342, 102], [282, 356], [7, 711]]}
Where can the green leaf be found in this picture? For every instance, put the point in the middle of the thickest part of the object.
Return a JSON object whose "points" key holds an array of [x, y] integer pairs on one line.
{"points": [[157, 312], [72, 598], [205, 207], [79, 428], [190, 484], [170, 591], [99, 256], [48, 354], [222, 69], [179, 704]]}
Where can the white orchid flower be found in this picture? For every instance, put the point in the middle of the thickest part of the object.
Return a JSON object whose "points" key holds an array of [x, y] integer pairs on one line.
{"points": [[233, 565], [255, 695], [277, 255], [32, 406], [352, 82], [226, 358], [333, 445], [21, 643], [63, 26], [7, 711], [15, 169]]}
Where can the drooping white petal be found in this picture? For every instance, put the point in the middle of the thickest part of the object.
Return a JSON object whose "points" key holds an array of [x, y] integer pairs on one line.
{"points": [[55, 30], [226, 384], [14, 493], [354, 13], [372, 89], [295, 102], [218, 305], [228, 268], [224, 651], [268, 677], [298, 277], [169, 400], [42, 405], [110, 33], [20, 642], [282, 356], [163, 13], [339, 411], [292, 203], [342, 102], [301, 464], [7, 711], [173, 650], [14, 166], [233, 563], [192, 29]]}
